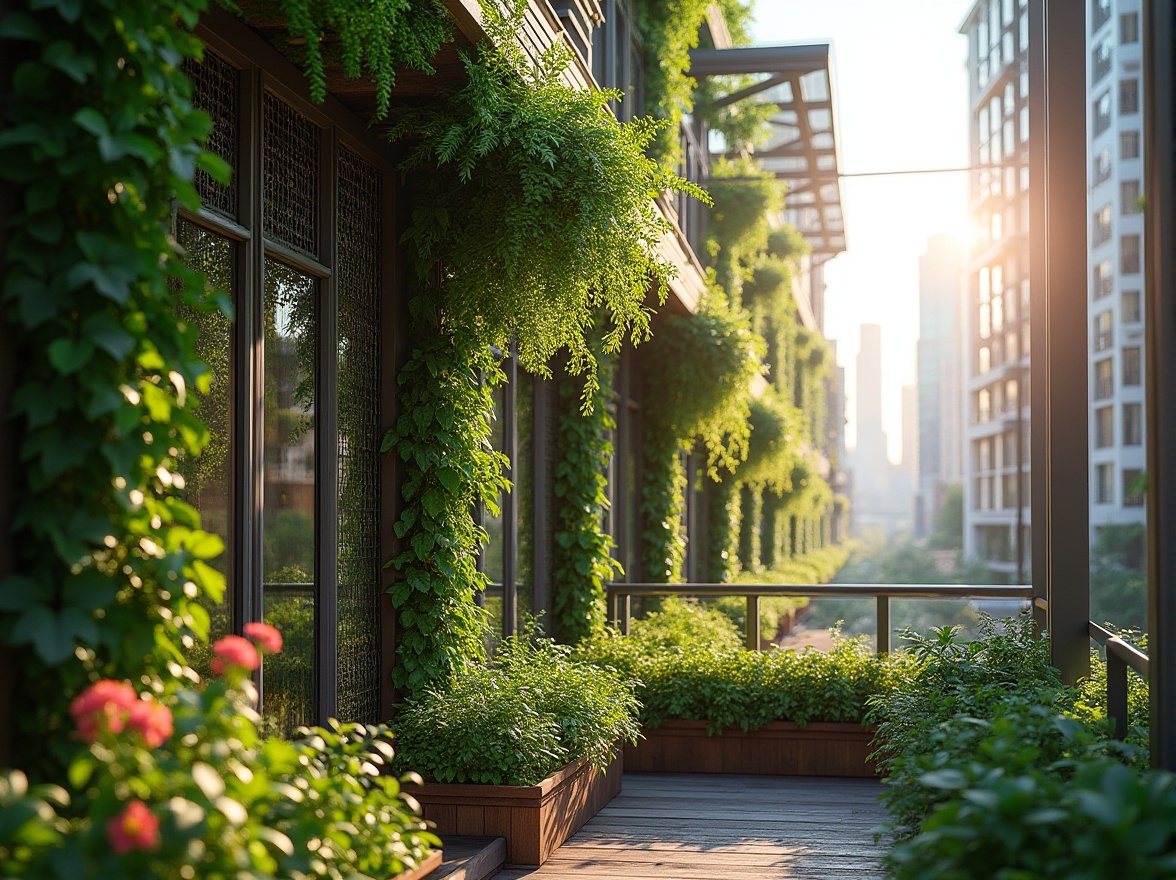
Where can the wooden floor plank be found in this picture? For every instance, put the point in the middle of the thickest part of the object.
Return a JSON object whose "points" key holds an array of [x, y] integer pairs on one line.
{"points": [[709, 827]]}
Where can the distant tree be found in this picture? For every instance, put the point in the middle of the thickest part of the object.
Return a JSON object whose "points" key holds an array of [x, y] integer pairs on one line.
{"points": [[948, 526], [1118, 576]]}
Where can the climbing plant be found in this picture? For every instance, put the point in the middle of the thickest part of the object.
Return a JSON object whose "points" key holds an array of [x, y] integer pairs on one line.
{"points": [[581, 557], [99, 140], [369, 39], [534, 219], [525, 210]]}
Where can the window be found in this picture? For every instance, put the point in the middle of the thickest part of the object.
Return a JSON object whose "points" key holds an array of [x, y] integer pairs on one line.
{"points": [[1101, 231], [1129, 254], [983, 405], [1104, 477], [1129, 27], [1100, 60], [1102, 167], [1132, 366], [1102, 113], [1132, 312], [1104, 331], [1100, 13], [1129, 145], [1104, 279], [1104, 380], [1132, 424], [1104, 427], [1128, 96], [1133, 487], [1129, 197], [313, 249]]}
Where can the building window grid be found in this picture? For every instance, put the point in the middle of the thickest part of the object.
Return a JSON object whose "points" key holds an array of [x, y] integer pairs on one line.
{"points": [[1129, 27], [1132, 366], [1132, 424], [1128, 97], [1129, 195]]}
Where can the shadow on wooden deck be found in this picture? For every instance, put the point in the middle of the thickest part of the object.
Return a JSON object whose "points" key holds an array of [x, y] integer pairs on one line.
{"points": [[704, 827]]}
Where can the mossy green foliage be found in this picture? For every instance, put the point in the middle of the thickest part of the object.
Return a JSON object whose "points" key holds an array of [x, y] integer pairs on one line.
{"points": [[370, 39], [99, 139], [581, 557], [517, 719], [524, 210], [715, 681], [515, 237], [745, 196], [722, 538], [663, 504]]}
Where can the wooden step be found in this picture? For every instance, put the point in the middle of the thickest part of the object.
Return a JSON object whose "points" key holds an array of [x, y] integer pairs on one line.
{"points": [[470, 858]]}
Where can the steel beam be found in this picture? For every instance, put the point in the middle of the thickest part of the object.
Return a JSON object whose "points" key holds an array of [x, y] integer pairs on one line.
{"points": [[1058, 367], [1160, 232]]}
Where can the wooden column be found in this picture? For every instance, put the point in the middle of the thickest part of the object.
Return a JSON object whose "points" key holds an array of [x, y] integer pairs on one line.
{"points": [[1060, 463]]}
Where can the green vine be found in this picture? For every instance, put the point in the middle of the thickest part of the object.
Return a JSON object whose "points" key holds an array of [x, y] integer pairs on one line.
{"points": [[99, 138], [523, 212], [515, 238], [581, 560], [722, 539], [371, 39], [663, 503]]}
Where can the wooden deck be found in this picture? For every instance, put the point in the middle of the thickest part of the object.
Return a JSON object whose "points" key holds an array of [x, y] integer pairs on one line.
{"points": [[704, 827]]}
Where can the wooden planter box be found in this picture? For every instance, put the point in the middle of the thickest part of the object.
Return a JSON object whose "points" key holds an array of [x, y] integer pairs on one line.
{"points": [[534, 819], [780, 748]]}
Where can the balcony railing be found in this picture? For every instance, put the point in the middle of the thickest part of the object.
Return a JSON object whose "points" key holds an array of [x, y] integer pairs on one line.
{"points": [[1120, 657], [620, 593]]}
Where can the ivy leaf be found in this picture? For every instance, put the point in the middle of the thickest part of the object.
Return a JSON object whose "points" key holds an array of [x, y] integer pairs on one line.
{"points": [[18, 592], [70, 355], [21, 26], [54, 636], [105, 332], [450, 478]]}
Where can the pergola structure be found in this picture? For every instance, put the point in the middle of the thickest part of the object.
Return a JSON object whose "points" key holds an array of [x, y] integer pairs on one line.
{"points": [[802, 146]]}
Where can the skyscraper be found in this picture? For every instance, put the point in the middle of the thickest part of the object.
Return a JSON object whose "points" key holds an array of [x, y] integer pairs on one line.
{"points": [[877, 501], [996, 289], [940, 372]]}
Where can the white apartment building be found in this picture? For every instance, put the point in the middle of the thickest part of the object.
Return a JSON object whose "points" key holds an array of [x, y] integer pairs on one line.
{"points": [[1114, 298], [995, 310]]}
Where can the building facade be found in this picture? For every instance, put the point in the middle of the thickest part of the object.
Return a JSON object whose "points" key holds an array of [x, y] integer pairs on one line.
{"points": [[995, 321], [940, 372], [1115, 279]]}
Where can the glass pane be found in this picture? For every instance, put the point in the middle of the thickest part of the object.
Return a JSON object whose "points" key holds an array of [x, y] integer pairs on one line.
{"points": [[1118, 593], [524, 491], [209, 477], [493, 557], [288, 533]]}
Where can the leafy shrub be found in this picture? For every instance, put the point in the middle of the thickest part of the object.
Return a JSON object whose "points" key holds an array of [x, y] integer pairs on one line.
{"points": [[1008, 814], [680, 623], [179, 783], [1091, 701], [731, 687], [517, 719]]}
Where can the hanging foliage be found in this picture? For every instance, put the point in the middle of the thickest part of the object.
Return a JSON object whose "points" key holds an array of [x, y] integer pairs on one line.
{"points": [[774, 445], [663, 504], [541, 211], [744, 196]]}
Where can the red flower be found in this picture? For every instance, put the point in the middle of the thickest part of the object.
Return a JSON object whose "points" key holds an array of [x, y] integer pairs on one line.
{"points": [[136, 827], [152, 720], [102, 706], [234, 651], [267, 638]]}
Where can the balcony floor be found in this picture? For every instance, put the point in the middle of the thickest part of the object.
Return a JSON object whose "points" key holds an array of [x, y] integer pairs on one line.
{"points": [[698, 827]]}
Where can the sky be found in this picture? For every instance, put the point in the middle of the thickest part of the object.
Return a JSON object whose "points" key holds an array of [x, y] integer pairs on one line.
{"points": [[901, 97]]}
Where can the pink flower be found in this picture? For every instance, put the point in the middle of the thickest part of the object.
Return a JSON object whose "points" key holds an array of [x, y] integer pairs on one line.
{"points": [[102, 706], [136, 827], [152, 720], [234, 652], [267, 638]]}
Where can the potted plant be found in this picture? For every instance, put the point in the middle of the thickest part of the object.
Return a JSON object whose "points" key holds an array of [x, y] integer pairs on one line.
{"points": [[525, 747]]}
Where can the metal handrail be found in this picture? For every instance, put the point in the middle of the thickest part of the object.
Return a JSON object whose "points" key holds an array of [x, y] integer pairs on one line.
{"points": [[1120, 656], [620, 593]]}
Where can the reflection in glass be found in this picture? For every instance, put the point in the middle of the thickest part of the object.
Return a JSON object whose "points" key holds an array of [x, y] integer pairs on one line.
{"points": [[208, 477], [288, 529], [494, 556]]}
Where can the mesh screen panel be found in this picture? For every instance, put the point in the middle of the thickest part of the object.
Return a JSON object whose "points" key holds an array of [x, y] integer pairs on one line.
{"points": [[290, 176], [359, 440], [214, 90]]}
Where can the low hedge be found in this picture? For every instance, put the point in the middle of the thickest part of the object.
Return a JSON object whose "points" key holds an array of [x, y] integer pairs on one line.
{"points": [[516, 719], [691, 667]]}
